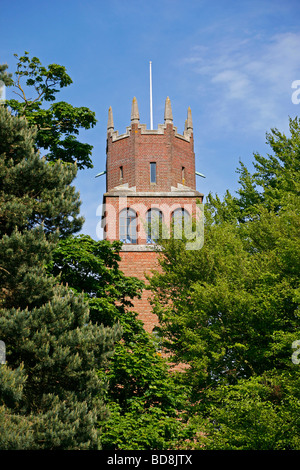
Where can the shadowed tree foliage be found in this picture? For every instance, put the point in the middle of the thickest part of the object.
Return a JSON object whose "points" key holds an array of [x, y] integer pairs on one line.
{"points": [[51, 396]]}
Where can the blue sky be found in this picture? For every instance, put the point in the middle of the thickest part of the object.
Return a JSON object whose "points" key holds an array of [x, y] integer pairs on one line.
{"points": [[232, 62]]}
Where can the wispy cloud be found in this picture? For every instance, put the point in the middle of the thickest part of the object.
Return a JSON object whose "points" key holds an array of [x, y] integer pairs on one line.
{"points": [[251, 77]]}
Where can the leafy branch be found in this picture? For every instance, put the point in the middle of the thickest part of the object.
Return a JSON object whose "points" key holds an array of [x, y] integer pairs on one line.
{"points": [[58, 125]]}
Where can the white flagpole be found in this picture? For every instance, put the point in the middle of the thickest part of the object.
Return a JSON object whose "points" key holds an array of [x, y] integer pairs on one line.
{"points": [[151, 111]]}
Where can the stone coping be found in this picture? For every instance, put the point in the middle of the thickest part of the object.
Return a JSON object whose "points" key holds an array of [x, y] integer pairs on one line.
{"points": [[139, 248], [155, 194]]}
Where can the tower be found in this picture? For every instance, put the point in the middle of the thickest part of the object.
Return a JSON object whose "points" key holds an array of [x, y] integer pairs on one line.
{"points": [[150, 183]]}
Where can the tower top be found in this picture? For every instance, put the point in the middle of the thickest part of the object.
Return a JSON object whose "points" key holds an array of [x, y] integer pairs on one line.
{"points": [[161, 129]]}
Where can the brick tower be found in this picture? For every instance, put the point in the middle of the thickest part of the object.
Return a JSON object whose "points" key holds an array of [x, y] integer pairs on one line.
{"points": [[150, 182]]}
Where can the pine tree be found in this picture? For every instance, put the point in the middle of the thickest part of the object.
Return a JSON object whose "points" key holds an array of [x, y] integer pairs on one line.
{"points": [[50, 393]]}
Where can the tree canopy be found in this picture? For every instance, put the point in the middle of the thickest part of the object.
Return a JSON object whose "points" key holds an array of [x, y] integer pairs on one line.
{"points": [[230, 311], [58, 123], [51, 396], [144, 400]]}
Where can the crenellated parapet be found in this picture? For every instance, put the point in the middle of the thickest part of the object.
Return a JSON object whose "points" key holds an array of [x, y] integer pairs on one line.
{"points": [[161, 128]]}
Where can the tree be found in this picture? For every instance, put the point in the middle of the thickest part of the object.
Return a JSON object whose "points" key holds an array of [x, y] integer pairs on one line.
{"points": [[25, 202], [147, 404], [230, 311], [144, 400], [275, 176], [51, 396], [260, 413], [16, 429], [91, 269], [58, 125]]}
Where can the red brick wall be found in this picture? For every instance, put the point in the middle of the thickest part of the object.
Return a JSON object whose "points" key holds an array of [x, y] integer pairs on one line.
{"points": [[183, 157], [137, 264], [120, 153], [135, 152], [141, 205]]}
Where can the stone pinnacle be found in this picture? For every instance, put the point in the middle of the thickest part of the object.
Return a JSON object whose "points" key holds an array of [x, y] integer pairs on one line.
{"points": [[189, 124], [110, 121], [168, 111], [135, 117]]}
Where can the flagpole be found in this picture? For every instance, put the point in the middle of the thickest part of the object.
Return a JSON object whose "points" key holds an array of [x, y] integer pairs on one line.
{"points": [[151, 111]]}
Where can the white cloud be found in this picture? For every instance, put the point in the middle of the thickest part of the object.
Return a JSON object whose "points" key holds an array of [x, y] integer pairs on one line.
{"points": [[249, 78], [236, 81]]}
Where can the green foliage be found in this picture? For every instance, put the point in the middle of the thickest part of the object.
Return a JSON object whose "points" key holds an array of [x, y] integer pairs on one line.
{"points": [[51, 396], [58, 125], [33, 193], [260, 413], [5, 77], [91, 268], [139, 430], [15, 428], [231, 310], [146, 405]]}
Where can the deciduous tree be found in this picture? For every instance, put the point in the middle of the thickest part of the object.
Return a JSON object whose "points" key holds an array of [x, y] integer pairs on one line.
{"points": [[58, 123], [231, 310], [145, 402]]}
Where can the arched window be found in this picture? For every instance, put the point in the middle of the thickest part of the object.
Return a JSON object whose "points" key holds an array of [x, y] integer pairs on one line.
{"points": [[181, 222], [154, 225], [128, 226]]}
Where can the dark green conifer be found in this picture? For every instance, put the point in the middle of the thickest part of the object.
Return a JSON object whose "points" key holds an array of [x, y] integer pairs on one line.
{"points": [[50, 393]]}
